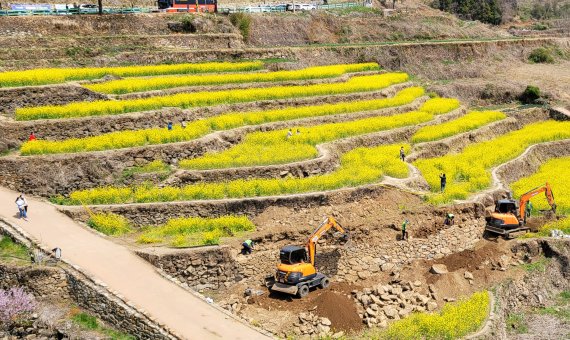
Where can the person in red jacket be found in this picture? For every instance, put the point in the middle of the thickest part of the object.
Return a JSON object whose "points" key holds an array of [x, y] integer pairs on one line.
{"points": [[32, 137]]}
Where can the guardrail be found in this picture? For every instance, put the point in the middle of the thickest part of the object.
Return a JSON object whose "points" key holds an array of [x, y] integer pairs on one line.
{"points": [[282, 8], [74, 11]]}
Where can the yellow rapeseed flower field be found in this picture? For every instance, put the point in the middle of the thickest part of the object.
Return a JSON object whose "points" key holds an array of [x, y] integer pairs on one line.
{"points": [[130, 85], [109, 224], [208, 98], [557, 173], [195, 129], [469, 171], [358, 167], [196, 231], [470, 121], [453, 322], [45, 76], [275, 147]]}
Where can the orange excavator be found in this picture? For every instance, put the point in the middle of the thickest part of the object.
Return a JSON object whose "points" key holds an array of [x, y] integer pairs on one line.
{"points": [[297, 274], [509, 217]]}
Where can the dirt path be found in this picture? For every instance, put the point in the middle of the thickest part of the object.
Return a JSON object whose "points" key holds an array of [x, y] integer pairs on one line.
{"points": [[125, 273]]}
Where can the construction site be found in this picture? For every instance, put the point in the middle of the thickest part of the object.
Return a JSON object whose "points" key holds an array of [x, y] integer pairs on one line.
{"points": [[391, 171]]}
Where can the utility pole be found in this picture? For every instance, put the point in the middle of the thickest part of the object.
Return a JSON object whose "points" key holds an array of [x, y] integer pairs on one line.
{"points": [[100, 2]]}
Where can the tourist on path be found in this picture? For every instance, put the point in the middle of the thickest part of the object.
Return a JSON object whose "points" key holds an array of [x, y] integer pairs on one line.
{"points": [[21, 203]]}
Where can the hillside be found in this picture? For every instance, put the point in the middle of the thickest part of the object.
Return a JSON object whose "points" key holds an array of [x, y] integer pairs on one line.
{"points": [[151, 146]]}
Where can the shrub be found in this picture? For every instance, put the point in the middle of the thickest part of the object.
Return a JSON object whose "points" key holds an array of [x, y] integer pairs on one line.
{"points": [[242, 21], [109, 223], [530, 95], [541, 55], [15, 304]]}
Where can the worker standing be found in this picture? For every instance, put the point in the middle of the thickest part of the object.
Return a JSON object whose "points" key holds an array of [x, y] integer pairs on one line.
{"points": [[442, 181], [528, 209], [404, 230], [402, 154], [247, 247]]}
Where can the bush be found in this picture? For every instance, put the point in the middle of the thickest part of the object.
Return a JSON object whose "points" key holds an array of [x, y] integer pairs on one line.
{"points": [[540, 56], [242, 21], [530, 95], [15, 304]]}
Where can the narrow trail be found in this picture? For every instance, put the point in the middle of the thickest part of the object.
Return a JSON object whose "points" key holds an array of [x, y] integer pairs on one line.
{"points": [[124, 272]]}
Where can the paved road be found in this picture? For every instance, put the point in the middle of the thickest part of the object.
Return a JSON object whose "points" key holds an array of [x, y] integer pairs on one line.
{"points": [[125, 273]]}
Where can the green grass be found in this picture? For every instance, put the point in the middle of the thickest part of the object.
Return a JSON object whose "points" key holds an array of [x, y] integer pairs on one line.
{"points": [[12, 252], [537, 266], [91, 323], [516, 324]]}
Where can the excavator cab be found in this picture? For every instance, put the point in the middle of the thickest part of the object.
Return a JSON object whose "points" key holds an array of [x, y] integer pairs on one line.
{"points": [[509, 217], [296, 272]]}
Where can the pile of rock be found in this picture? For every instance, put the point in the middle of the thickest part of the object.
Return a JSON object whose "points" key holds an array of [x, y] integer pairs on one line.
{"points": [[233, 303], [382, 303], [311, 324]]}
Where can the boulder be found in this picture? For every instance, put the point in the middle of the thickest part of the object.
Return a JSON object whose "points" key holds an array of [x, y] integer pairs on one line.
{"points": [[468, 275], [431, 306], [386, 267], [326, 322], [439, 269], [390, 312]]}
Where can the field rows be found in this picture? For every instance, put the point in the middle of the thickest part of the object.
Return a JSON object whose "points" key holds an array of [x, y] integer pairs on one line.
{"points": [[199, 128], [275, 147], [131, 85], [199, 99], [62, 75], [469, 171]]}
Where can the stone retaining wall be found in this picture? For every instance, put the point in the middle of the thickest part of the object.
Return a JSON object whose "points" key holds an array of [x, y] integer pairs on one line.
{"points": [[217, 268], [71, 283]]}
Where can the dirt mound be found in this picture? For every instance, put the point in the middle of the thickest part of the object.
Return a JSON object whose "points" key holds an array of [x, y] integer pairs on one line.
{"points": [[340, 310], [470, 259]]}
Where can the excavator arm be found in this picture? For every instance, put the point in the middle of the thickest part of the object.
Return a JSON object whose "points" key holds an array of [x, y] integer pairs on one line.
{"points": [[327, 224], [527, 196]]}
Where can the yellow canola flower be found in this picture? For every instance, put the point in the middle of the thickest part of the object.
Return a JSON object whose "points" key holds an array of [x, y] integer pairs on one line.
{"points": [[470, 121], [194, 231], [123, 139], [469, 171], [557, 173], [358, 167], [44, 76], [207, 98], [130, 85], [276, 147], [453, 322]]}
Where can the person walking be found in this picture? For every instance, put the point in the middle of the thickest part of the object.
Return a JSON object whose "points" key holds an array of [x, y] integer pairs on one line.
{"points": [[442, 181], [405, 230], [25, 203], [20, 202], [247, 247], [402, 154]]}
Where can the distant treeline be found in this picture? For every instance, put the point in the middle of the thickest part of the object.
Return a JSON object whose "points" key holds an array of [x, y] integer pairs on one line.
{"points": [[488, 11], [496, 11]]}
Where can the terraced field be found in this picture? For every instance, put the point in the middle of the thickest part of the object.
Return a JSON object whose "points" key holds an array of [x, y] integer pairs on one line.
{"points": [[166, 159]]}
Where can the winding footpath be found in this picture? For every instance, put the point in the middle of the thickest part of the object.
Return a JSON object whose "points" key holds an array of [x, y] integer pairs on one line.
{"points": [[125, 273]]}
